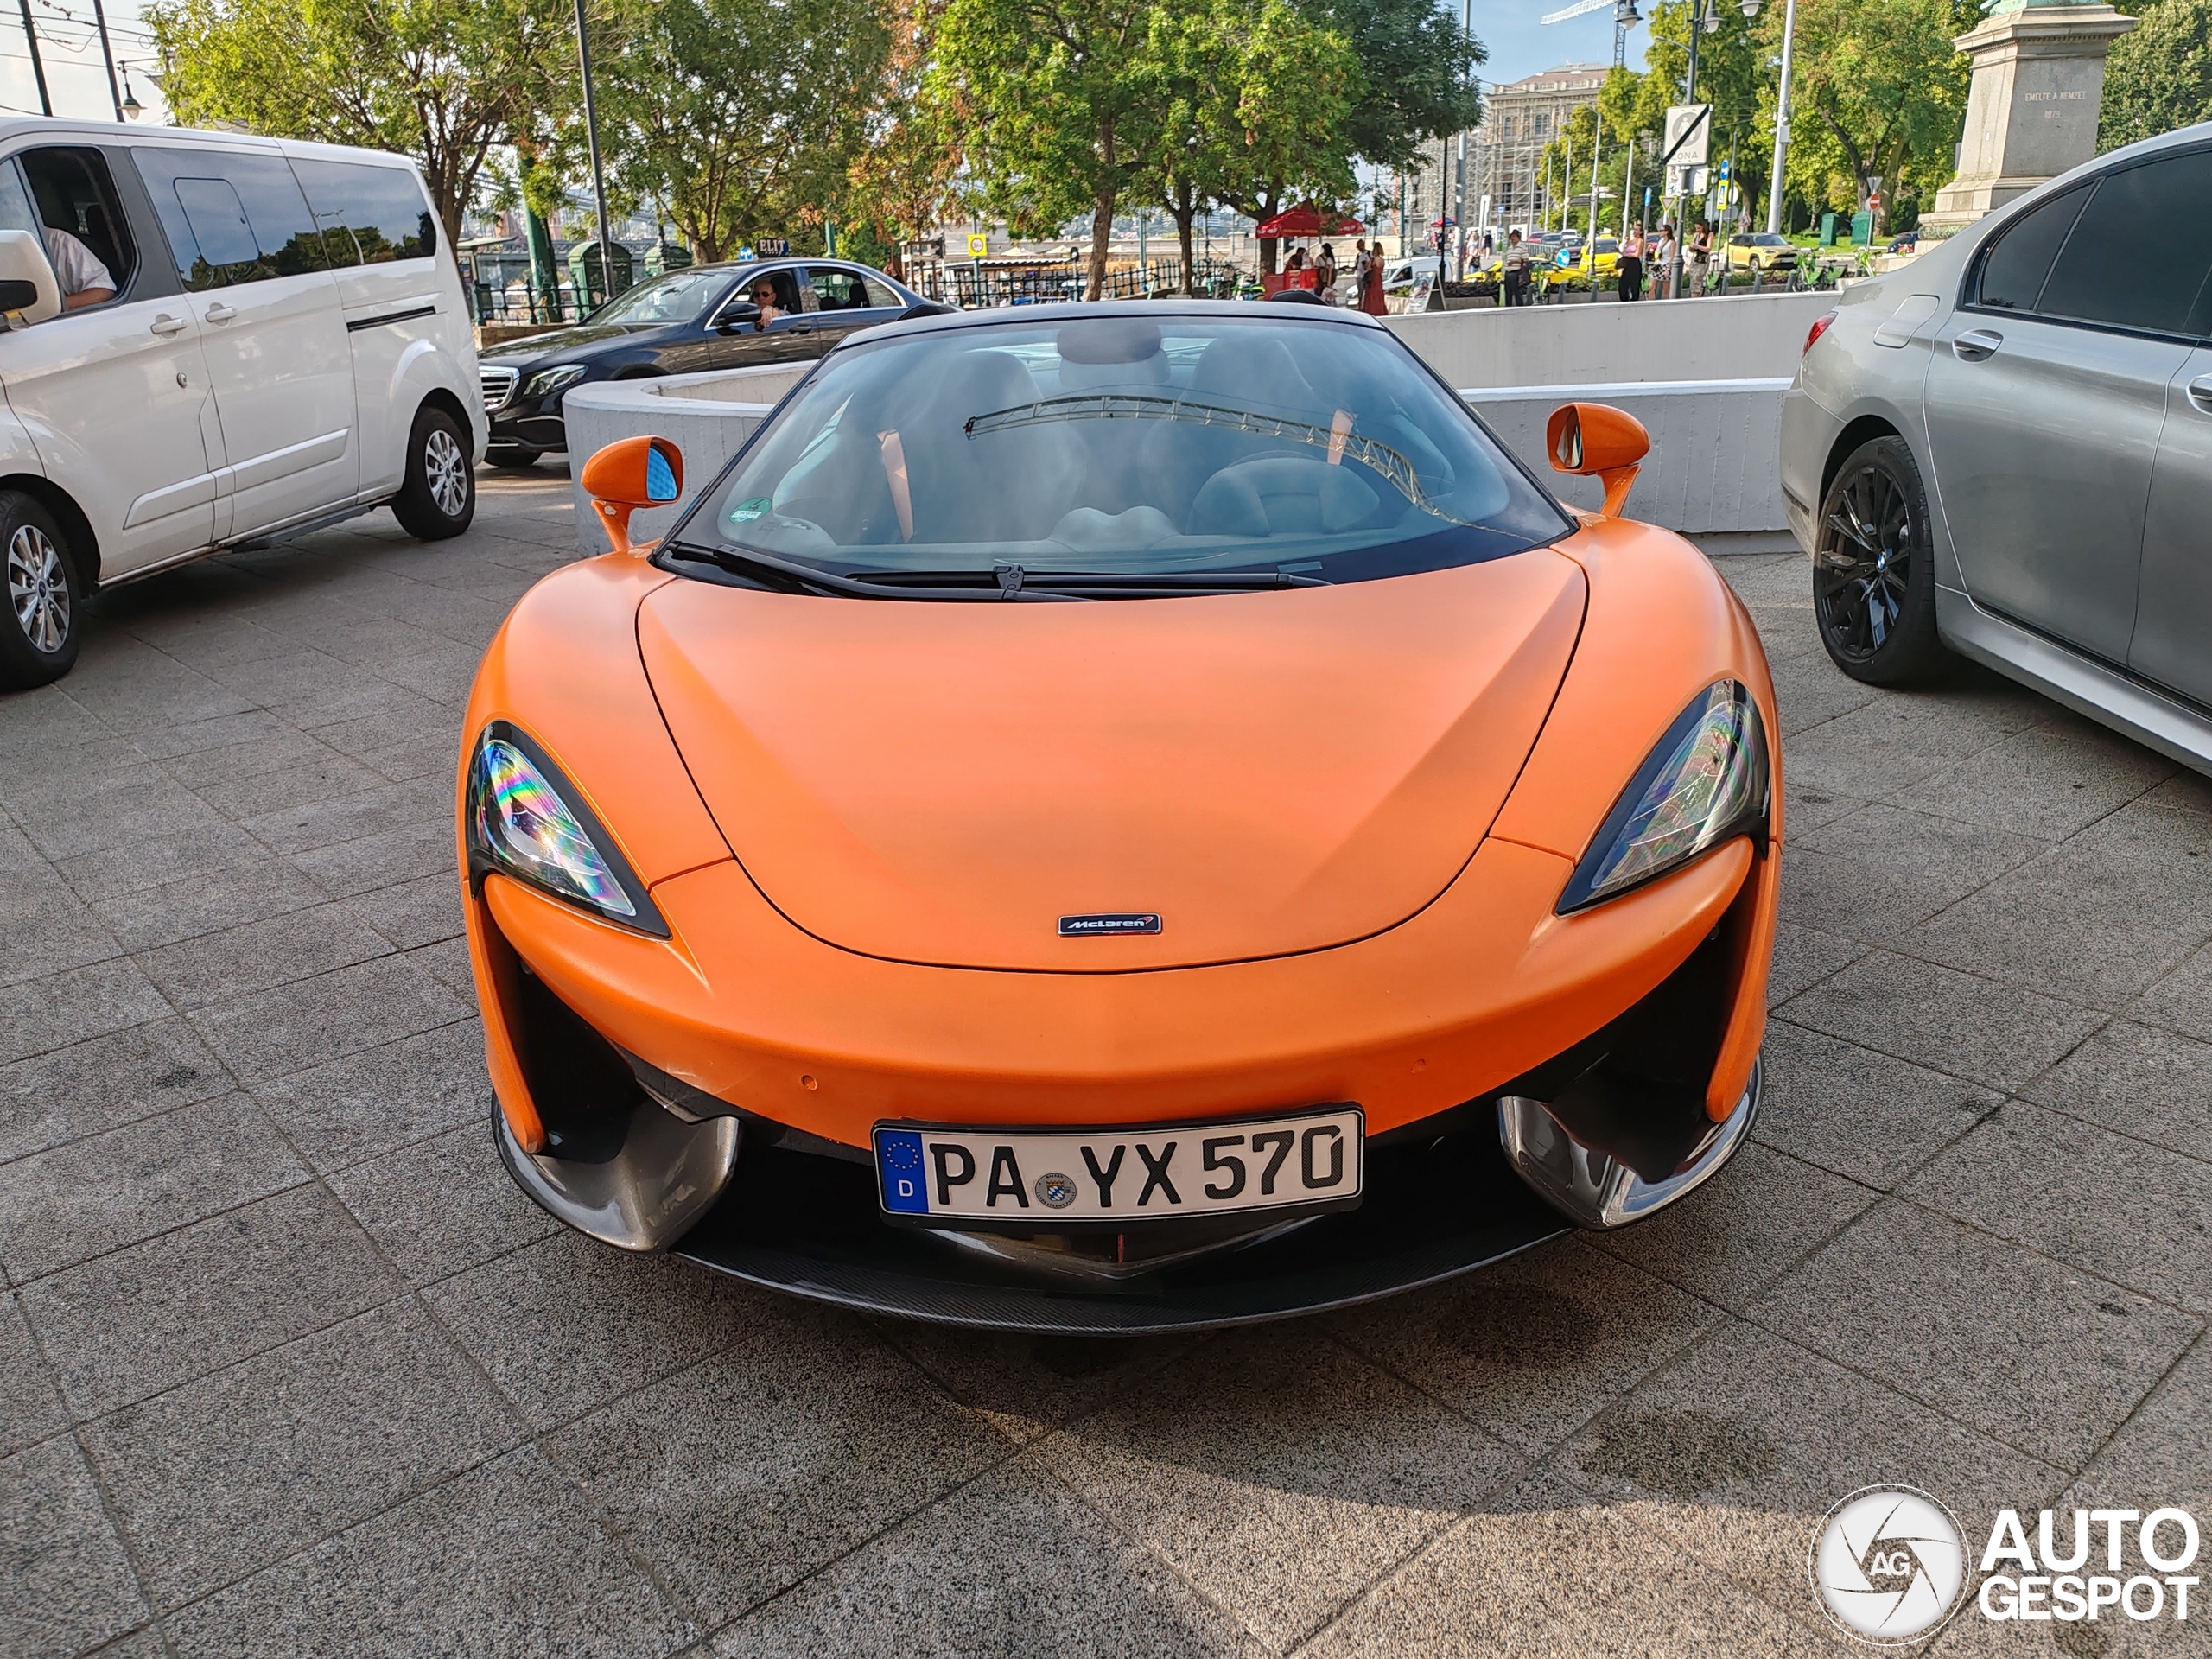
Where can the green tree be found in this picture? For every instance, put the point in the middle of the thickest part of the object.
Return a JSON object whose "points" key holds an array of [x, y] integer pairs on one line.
{"points": [[742, 116], [1058, 102], [906, 173], [2160, 77], [442, 81], [1880, 98], [1414, 74], [1250, 94]]}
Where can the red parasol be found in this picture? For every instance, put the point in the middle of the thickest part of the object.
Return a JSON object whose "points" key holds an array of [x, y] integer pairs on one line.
{"points": [[1305, 220]]}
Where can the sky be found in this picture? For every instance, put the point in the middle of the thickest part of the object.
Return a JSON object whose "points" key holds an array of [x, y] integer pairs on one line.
{"points": [[75, 76], [1520, 45]]}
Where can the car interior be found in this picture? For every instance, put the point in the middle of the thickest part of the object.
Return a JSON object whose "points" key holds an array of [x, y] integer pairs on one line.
{"points": [[1222, 441], [73, 193], [837, 290]]}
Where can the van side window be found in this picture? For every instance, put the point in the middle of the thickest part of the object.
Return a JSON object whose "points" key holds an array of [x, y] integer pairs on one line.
{"points": [[74, 197], [230, 218], [383, 207], [16, 213]]}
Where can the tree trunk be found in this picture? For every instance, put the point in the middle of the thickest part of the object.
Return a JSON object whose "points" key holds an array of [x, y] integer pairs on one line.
{"points": [[1102, 232], [1184, 208]]}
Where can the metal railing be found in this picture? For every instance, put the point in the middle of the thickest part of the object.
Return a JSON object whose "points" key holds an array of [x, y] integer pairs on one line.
{"points": [[971, 285]]}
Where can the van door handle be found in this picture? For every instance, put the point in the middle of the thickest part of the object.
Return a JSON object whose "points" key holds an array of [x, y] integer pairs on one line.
{"points": [[165, 325], [1976, 344], [2200, 392], [220, 312]]}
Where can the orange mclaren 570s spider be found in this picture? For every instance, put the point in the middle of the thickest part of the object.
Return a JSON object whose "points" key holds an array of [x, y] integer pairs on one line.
{"points": [[1110, 818]]}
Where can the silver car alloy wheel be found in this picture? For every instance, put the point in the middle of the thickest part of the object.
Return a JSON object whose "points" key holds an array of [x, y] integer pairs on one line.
{"points": [[38, 588], [446, 471]]}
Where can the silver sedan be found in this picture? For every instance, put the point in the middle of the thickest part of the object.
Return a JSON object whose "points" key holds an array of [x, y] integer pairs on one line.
{"points": [[2005, 450]]}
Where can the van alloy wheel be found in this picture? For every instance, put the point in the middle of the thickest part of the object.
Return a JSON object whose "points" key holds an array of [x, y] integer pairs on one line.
{"points": [[445, 468], [38, 588]]}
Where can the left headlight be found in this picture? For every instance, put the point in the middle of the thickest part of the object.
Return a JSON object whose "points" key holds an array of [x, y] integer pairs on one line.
{"points": [[548, 381], [1705, 782], [525, 820]]}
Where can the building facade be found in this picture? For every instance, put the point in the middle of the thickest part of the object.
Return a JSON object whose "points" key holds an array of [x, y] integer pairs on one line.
{"points": [[1505, 153]]}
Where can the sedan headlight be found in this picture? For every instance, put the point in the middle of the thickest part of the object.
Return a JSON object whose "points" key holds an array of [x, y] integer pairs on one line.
{"points": [[1706, 781], [527, 821], [547, 381]]}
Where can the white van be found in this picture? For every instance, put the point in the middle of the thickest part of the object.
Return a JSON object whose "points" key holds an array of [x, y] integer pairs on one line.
{"points": [[245, 337]]}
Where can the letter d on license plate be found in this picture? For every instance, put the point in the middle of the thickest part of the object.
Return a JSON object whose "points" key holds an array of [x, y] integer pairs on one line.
{"points": [[1042, 1176]]}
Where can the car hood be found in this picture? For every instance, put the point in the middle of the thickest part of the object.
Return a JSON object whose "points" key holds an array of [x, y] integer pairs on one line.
{"points": [[517, 352], [1268, 773]]}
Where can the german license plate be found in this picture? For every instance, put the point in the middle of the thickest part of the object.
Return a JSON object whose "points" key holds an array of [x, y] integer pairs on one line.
{"points": [[1119, 1175]]}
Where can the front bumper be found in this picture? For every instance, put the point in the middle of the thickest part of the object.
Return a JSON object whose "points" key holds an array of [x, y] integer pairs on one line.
{"points": [[529, 424], [1601, 1132]]}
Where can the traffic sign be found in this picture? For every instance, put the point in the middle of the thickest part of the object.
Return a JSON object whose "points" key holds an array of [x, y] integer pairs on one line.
{"points": [[978, 246], [1689, 135]]}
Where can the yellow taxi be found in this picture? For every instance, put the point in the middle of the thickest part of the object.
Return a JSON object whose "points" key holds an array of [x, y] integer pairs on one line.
{"points": [[1757, 251]]}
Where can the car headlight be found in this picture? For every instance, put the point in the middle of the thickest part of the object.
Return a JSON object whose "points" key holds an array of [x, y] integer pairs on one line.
{"points": [[527, 821], [547, 381], [1705, 782]]}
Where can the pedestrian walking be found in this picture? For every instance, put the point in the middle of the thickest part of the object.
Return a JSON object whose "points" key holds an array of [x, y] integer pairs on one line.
{"points": [[1629, 269], [1515, 271], [1700, 255]]}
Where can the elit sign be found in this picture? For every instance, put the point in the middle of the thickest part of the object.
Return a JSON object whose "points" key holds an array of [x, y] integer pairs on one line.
{"points": [[1890, 1564]]}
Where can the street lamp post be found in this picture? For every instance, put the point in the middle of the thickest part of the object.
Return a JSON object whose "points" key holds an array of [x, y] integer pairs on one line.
{"points": [[598, 176], [1781, 125], [1457, 263]]}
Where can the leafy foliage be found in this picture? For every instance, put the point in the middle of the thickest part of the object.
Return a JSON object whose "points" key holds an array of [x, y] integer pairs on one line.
{"points": [[1881, 92], [1414, 74], [739, 116], [2159, 77], [440, 81]]}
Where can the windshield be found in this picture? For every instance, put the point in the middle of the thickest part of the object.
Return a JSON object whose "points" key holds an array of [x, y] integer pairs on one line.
{"points": [[1193, 444], [679, 297]]}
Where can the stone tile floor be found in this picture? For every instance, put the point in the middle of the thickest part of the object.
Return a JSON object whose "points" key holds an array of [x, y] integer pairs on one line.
{"points": [[288, 1366]]}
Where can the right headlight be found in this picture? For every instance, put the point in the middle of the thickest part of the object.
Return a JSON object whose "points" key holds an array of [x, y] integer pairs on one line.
{"points": [[545, 382], [1705, 781], [526, 820]]}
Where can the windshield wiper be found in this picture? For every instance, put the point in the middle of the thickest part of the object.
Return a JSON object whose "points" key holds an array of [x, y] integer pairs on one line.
{"points": [[1005, 580], [788, 576]]}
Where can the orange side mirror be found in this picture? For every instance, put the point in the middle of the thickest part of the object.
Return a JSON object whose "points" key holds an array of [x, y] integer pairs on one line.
{"points": [[630, 473], [1597, 439]]}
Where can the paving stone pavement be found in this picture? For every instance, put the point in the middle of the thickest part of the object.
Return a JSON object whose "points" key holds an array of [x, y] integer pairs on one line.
{"points": [[288, 1365]]}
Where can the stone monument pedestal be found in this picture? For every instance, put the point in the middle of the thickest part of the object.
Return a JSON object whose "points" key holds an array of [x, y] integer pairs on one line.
{"points": [[2038, 85]]}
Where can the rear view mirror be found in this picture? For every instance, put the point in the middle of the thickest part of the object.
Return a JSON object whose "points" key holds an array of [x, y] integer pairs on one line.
{"points": [[740, 313], [27, 282], [1598, 440], [630, 473]]}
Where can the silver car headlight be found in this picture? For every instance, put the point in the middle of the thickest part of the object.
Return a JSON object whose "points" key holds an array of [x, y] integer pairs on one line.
{"points": [[1706, 782], [525, 820], [545, 382]]}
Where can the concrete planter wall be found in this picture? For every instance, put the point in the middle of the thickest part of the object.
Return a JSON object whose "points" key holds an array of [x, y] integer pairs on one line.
{"points": [[1747, 338], [1705, 376], [708, 416]]}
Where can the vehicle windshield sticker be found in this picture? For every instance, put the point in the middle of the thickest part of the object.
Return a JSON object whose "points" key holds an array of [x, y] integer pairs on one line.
{"points": [[746, 511]]}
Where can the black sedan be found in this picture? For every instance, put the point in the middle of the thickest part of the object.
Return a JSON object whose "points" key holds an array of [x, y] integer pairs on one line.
{"points": [[705, 318]]}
